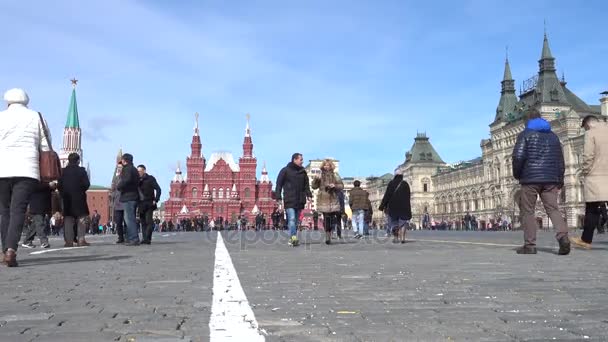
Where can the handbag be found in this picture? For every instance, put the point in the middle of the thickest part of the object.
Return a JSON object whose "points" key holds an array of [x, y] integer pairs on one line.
{"points": [[50, 166]]}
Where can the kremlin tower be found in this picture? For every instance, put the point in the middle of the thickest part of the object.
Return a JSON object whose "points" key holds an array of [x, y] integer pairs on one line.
{"points": [[72, 134]]}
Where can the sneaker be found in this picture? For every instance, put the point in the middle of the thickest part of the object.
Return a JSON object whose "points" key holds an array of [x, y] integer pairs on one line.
{"points": [[564, 246], [578, 242], [293, 241], [526, 250], [45, 245], [28, 245]]}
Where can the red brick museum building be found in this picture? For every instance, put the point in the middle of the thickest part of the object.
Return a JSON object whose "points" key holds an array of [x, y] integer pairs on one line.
{"points": [[219, 187]]}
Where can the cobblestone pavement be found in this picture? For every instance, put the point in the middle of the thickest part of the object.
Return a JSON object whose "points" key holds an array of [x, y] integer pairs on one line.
{"points": [[440, 286]]}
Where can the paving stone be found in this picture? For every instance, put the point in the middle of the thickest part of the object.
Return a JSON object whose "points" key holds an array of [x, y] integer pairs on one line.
{"points": [[350, 291]]}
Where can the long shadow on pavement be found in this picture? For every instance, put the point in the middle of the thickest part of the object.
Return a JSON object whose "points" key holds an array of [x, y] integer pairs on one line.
{"points": [[69, 259]]}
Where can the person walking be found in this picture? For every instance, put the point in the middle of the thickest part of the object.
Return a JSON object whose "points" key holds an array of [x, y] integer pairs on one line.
{"points": [[538, 165], [150, 193], [369, 213], [396, 204], [293, 188], [328, 203], [118, 212], [22, 138], [595, 172], [358, 202], [73, 185], [128, 185], [40, 209]]}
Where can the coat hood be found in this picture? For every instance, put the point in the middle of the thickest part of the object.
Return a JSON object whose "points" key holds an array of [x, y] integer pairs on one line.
{"points": [[539, 125]]}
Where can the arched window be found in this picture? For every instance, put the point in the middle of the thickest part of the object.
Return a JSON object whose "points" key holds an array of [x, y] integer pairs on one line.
{"points": [[221, 193], [194, 192], [214, 193], [247, 193]]}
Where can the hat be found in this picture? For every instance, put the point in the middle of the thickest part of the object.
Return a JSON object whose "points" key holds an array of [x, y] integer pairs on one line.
{"points": [[128, 157], [16, 95], [399, 172]]}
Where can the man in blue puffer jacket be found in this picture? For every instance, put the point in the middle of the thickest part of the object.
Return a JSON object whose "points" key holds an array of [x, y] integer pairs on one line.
{"points": [[538, 164]]}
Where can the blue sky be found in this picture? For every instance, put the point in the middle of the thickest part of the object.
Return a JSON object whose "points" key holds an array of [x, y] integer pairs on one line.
{"points": [[354, 80]]}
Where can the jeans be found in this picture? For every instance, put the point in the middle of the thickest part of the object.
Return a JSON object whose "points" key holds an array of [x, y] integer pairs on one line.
{"points": [[119, 218], [132, 231], [38, 227], [292, 220], [359, 221], [15, 194]]}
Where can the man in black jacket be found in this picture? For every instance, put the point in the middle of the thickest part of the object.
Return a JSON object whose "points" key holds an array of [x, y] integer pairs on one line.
{"points": [[396, 204], [538, 164], [73, 186], [128, 185], [294, 189], [150, 193]]}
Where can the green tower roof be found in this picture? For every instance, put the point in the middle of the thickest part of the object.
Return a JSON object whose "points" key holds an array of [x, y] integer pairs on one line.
{"points": [[73, 113], [546, 53]]}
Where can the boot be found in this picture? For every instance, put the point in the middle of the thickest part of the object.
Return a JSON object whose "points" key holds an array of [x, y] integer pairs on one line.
{"points": [[328, 238], [68, 244], [83, 243], [526, 250], [564, 246], [10, 258]]}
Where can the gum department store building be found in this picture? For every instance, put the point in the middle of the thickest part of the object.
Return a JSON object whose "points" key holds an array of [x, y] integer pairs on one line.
{"points": [[484, 186]]}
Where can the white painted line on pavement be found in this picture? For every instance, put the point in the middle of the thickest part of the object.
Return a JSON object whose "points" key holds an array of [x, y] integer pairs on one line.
{"points": [[232, 318], [54, 250]]}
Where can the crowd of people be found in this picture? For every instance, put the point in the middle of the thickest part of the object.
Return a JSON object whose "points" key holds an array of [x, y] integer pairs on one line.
{"points": [[61, 204]]}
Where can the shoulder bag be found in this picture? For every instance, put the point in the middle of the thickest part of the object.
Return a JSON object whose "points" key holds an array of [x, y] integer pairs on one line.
{"points": [[50, 166]]}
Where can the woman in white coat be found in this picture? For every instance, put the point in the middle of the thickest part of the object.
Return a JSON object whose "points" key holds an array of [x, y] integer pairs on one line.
{"points": [[21, 140]]}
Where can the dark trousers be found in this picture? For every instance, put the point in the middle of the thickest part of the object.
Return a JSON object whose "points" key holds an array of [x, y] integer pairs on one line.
{"points": [[15, 195], [331, 221], [548, 194], [38, 227], [119, 219], [147, 222], [593, 212]]}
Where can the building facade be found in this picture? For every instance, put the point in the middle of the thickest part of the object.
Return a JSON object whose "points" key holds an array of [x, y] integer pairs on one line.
{"points": [[98, 198], [484, 186], [219, 187]]}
